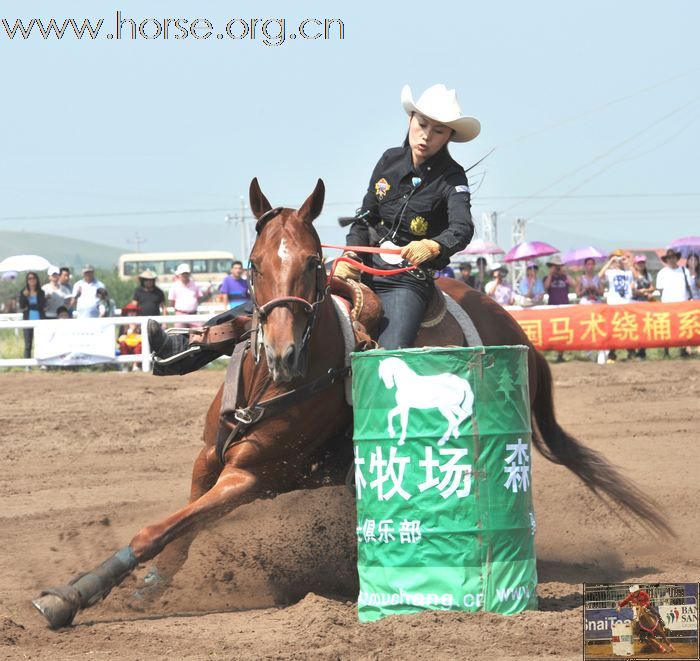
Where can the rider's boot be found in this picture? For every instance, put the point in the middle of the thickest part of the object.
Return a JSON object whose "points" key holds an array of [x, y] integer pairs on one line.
{"points": [[172, 354]]}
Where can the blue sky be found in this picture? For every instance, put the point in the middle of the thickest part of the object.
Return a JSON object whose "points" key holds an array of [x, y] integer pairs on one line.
{"points": [[607, 93]]}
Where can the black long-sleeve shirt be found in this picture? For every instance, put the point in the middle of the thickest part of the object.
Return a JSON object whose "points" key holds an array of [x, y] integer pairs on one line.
{"points": [[404, 203]]}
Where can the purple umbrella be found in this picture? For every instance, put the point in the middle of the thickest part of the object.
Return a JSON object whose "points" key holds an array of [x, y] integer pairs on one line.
{"points": [[480, 247], [686, 245], [529, 250], [580, 255]]}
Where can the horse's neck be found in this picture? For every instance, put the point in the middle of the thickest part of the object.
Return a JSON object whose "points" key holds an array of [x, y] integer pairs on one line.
{"points": [[403, 371], [326, 336]]}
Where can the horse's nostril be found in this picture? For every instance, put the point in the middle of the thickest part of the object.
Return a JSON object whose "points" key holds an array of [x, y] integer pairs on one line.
{"points": [[288, 356]]}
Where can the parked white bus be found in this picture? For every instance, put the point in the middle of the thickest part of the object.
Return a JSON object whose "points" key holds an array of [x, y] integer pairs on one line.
{"points": [[208, 266]]}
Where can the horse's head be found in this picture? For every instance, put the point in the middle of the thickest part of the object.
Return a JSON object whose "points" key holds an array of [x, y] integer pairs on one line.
{"points": [[386, 371], [288, 279]]}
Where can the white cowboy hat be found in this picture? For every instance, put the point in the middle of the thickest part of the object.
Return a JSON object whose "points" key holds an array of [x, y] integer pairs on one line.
{"points": [[441, 105], [633, 588]]}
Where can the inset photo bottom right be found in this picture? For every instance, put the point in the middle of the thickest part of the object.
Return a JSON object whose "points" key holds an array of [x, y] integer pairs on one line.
{"points": [[640, 621]]}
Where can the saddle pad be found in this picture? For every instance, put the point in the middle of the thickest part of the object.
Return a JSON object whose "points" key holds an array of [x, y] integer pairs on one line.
{"points": [[343, 312], [471, 335]]}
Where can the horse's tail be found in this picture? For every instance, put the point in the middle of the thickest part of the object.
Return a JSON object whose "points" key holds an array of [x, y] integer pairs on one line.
{"points": [[590, 466]]}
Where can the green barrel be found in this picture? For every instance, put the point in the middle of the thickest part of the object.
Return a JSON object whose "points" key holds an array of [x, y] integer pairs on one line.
{"points": [[443, 478]]}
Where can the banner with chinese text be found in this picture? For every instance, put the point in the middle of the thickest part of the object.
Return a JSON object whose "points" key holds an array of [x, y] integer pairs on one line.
{"points": [[443, 482], [596, 327]]}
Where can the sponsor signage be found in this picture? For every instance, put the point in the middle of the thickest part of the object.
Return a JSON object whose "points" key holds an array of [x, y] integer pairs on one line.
{"points": [[600, 621], [680, 618], [74, 342]]}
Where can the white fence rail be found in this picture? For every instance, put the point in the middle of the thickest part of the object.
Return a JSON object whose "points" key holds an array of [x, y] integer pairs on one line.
{"points": [[144, 357]]}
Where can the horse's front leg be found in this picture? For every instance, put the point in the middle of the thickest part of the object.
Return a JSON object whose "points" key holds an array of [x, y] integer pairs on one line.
{"points": [[460, 416], [169, 562], [390, 419], [658, 644], [234, 487], [662, 632], [404, 424]]}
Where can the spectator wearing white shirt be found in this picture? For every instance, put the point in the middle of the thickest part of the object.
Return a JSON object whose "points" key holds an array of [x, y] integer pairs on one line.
{"points": [[184, 293], [673, 282], [57, 294], [85, 298], [621, 286], [616, 271]]}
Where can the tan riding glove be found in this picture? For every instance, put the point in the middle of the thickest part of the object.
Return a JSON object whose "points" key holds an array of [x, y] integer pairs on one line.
{"points": [[421, 251], [347, 271]]}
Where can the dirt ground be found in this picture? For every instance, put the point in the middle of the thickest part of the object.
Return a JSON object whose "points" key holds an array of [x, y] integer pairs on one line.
{"points": [[89, 458]]}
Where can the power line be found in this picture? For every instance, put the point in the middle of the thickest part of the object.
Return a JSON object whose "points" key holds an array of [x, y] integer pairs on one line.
{"points": [[602, 155], [607, 104], [591, 196], [586, 196], [626, 157]]}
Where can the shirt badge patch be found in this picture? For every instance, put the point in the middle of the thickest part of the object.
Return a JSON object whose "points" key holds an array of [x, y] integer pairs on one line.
{"points": [[381, 188], [419, 226], [462, 189]]}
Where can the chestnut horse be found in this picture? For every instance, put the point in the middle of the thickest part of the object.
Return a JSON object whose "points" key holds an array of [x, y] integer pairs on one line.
{"points": [[296, 328], [651, 628]]}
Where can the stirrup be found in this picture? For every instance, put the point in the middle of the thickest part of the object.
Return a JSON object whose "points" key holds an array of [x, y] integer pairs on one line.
{"points": [[177, 331], [175, 357]]}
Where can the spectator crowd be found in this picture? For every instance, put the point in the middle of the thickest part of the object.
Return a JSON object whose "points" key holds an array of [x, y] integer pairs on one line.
{"points": [[622, 278], [87, 297]]}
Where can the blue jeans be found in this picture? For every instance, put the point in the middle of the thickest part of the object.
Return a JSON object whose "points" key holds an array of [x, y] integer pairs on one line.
{"points": [[404, 303]]}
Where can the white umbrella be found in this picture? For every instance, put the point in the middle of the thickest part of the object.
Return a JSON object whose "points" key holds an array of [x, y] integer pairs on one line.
{"points": [[480, 247], [24, 263]]}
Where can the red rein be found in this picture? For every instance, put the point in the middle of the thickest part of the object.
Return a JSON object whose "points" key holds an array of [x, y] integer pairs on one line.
{"points": [[363, 267]]}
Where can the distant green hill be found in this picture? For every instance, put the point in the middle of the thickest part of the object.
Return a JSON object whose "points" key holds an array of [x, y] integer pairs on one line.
{"points": [[59, 250]]}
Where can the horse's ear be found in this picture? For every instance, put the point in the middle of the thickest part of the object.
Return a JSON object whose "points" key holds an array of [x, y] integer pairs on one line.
{"points": [[311, 209], [259, 204]]}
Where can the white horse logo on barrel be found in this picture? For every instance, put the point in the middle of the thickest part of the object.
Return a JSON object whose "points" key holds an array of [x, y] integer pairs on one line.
{"points": [[448, 393]]}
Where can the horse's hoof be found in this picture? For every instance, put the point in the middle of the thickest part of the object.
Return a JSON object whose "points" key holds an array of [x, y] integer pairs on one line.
{"points": [[153, 587], [58, 611]]}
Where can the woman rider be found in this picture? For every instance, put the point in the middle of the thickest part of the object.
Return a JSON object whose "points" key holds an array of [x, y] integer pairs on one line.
{"points": [[418, 201]]}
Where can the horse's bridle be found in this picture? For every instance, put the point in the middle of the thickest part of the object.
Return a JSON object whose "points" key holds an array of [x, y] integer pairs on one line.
{"points": [[261, 312]]}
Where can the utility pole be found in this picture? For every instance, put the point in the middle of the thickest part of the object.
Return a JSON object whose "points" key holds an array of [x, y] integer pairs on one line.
{"points": [[489, 221], [518, 236], [137, 241], [490, 224], [241, 219]]}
